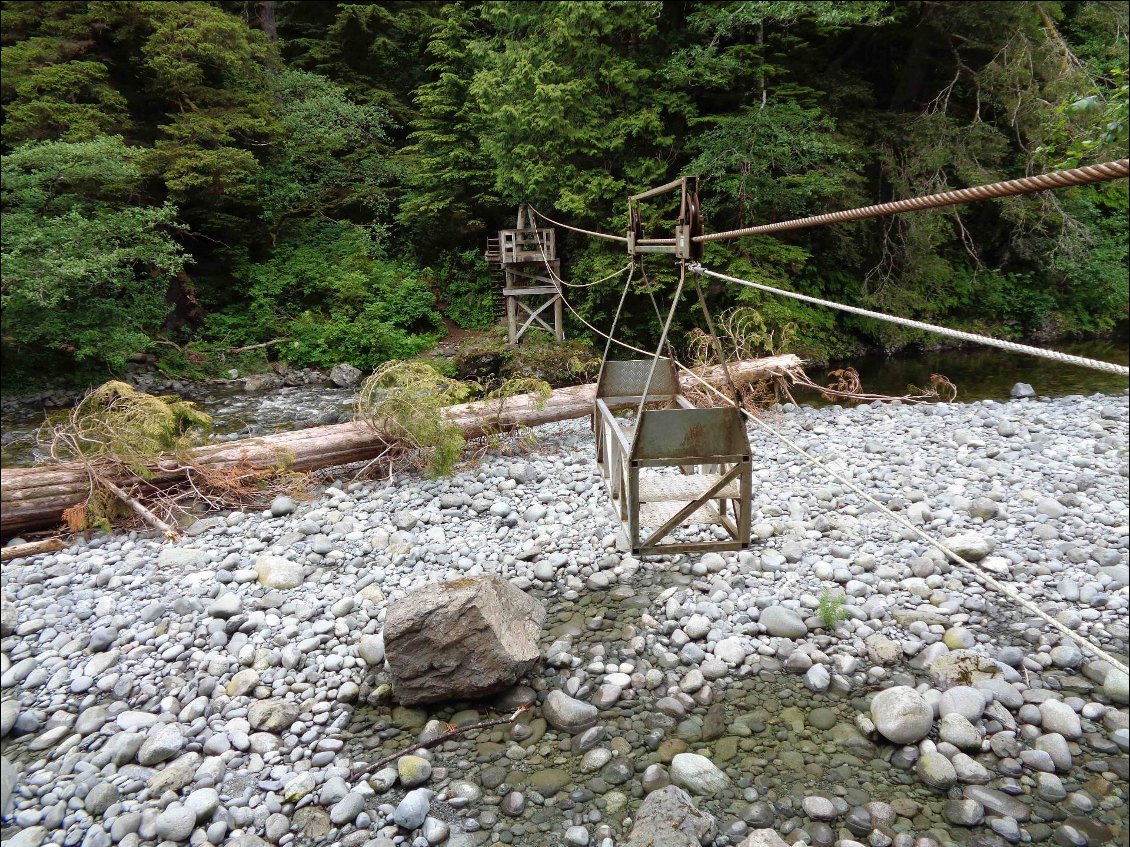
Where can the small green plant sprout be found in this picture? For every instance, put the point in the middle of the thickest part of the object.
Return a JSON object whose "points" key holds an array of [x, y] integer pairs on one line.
{"points": [[404, 401], [831, 609]]}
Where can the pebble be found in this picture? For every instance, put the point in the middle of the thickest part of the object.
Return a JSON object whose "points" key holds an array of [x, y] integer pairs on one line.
{"points": [[175, 823], [217, 691], [413, 809]]}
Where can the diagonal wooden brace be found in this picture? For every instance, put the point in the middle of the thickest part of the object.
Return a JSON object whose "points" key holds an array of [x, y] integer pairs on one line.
{"points": [[534, 313]]}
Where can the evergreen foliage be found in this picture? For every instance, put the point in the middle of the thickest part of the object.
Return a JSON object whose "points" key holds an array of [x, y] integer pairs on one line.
{"points": [[228, 173]]}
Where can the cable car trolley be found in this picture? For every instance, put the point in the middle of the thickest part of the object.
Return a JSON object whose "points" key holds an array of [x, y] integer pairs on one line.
{"points": [[671, 465]]}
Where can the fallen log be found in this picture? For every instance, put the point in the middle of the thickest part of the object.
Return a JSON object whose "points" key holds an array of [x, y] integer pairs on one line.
{"points": [[34, 498], [32, 548]]}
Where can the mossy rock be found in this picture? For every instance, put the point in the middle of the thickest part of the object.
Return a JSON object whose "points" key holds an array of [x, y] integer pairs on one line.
{"points": [[483, 359]]}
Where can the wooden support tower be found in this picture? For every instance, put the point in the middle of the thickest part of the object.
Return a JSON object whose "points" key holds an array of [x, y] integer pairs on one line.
{"points": [[530, 269]]}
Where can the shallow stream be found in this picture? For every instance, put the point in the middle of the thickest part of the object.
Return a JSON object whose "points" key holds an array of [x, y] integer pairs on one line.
{"points": [[777, 741]]}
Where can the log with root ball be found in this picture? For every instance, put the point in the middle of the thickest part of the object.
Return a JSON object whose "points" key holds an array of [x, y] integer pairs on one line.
{"points": [[34, 498]]}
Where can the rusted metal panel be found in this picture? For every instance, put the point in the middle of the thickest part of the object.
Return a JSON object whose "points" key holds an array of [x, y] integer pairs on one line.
{"points": [[689, 433], [673, 467]]}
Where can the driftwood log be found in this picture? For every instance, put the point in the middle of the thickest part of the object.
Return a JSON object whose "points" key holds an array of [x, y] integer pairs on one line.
{"points": [[34, 498]]}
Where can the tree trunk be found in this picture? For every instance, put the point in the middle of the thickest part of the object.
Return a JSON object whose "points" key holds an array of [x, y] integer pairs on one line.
{"points": [[34, 498]]}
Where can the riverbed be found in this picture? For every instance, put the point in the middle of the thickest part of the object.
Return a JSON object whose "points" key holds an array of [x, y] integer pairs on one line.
{"points": [[158, 691], [979, 374]]}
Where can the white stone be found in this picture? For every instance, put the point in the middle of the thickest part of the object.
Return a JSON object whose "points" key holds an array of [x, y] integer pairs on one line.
{"points": [[902, 715], [697, 774]]}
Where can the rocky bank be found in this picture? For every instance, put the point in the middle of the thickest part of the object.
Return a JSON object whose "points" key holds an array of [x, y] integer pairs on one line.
{"points": [[228, 689]]}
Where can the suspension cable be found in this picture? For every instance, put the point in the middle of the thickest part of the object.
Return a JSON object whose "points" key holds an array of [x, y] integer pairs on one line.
{"points": [[1011, 346], [978, 572], [553, 274], [605, 235], [659, 347], [1009, 188]]}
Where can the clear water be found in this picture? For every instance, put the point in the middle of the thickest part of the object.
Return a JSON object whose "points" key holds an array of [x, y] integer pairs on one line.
{"points": [[986, 374]]}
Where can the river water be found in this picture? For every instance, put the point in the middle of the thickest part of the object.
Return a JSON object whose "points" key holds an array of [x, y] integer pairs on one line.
{"points": [[986, 374], [978, 373]]}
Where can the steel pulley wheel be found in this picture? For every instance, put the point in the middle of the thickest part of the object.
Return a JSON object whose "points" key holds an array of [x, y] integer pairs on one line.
{"points": [[694, 220]]}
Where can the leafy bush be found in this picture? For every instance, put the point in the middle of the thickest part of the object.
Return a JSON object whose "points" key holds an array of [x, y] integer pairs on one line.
{"points": [[208, 360], [85, 271], [466, 286], [336, 298]]}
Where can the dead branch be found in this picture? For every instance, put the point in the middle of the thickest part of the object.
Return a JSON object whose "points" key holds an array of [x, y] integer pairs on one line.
{"points": [[260, 346], [142, 512], [439, 739]]}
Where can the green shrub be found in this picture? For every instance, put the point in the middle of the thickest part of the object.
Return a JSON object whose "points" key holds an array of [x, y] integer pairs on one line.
{"points": [[406, 400], [831, 609], [469, 292], [85, 269], [335, 297]]}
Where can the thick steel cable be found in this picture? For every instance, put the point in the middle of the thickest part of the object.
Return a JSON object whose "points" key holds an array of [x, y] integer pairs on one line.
{"points": [[1010, 346], [605, 235], [1024, 185], [978, 572]]}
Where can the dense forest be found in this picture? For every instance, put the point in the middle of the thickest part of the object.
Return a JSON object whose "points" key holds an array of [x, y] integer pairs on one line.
{"points": [[187, 178]]}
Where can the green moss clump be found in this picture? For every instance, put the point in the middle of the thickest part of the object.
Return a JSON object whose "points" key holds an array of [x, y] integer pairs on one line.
{"points": [[116, 422]]}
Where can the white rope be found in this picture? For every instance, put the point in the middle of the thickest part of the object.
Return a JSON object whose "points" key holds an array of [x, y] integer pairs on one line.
{"points": [[605, 235], [559, 280], [602, 334], [659, 347], [1011, 346], [978, 572]]}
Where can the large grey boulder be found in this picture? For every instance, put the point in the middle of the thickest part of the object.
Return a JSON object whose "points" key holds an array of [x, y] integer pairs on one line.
{"points": [[668, 818], [345, 376], [465, 638], [902, 715]]}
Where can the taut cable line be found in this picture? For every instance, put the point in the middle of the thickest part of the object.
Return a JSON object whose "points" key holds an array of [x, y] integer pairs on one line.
{"points": [[978, 572], [1010, 346], [605, 235], [1025, 185]]}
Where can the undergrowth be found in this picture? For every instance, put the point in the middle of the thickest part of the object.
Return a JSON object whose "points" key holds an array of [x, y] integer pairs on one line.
{"points": [[404, 403], [831, 609]]}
